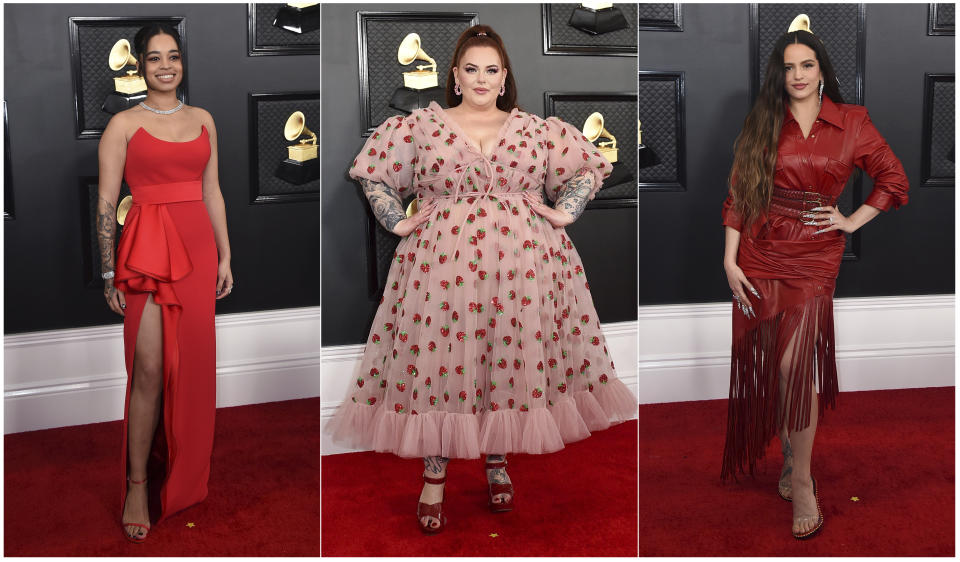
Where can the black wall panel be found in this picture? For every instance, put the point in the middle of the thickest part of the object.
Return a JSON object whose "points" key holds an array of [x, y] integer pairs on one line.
{"points": [[903, 252], [275, 247], [605, 238]]}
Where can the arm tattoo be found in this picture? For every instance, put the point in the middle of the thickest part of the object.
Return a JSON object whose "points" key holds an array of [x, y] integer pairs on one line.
{"points": [[435, 465], [573, 199], [106, 237], [385, 202]]}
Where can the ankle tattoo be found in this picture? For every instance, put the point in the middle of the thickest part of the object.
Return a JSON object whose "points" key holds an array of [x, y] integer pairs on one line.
{"points": [[435, 465]]}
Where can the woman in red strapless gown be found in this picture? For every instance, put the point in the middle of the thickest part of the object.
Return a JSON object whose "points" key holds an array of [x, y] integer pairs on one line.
{"points": [[168, 275]]}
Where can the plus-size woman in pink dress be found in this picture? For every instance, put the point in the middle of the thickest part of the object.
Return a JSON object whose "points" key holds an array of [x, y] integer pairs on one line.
{"points": [[486, 341]]}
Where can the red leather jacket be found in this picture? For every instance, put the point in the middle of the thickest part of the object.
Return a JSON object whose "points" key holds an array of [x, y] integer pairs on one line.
{"points": [[842, 137]]}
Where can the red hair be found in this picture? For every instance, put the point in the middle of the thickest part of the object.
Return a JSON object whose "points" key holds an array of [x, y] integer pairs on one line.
{"points": [[482, 36]]}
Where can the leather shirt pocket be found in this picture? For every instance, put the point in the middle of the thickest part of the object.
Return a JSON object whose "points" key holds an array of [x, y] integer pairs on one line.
{"points": [[840, 171]]}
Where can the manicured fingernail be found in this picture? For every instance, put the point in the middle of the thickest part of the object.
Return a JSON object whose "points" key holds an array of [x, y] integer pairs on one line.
{"points": [[755, 293]]}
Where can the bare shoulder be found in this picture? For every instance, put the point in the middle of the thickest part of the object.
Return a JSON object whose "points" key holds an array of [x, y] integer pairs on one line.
{"points": [[121, 126], [202, 115]]}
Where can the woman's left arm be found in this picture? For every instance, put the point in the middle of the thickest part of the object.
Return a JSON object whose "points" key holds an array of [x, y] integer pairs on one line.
{"points": [[571, 202], [213, 199], [890, 184]]}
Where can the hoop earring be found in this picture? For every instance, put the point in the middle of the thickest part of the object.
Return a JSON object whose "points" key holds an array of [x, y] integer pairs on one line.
{"points": [[457, 90], [821, 92], [502, 89]]}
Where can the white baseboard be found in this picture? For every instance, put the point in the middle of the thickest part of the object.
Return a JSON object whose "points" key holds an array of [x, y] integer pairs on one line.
{"points": [[882, 343], [71, 377], [340, 364]]}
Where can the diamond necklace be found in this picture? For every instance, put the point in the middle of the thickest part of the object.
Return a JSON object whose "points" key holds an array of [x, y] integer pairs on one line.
{"points": [[163, 111]]}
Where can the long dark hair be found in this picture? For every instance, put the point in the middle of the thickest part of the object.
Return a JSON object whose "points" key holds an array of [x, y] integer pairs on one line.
{"points": [[471, 38], [142, 39], [755, 152]]}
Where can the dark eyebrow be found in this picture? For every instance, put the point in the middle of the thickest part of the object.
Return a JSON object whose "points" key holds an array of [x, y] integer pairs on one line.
{"points": [[488, 66], [801, 62], [158, 52]]}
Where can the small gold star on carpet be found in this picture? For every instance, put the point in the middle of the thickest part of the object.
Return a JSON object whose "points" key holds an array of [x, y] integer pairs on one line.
{"points": [[494, 535], [854, 499], [191, 524]]}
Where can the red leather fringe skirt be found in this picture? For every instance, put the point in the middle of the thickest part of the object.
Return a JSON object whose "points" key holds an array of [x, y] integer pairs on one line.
{"points": [[789, 347]]}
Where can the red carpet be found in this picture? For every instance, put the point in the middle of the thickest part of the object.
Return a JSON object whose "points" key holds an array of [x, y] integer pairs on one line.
{"points": [[580, 501], [894, 450], [62, 497]]}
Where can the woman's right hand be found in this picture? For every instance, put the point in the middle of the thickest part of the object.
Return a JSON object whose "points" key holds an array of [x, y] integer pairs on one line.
{"points": [[739, 285], [115, 299], [405, 226]]}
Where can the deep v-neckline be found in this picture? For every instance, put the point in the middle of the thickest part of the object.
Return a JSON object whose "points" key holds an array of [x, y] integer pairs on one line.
{"points": [[467, 139]]}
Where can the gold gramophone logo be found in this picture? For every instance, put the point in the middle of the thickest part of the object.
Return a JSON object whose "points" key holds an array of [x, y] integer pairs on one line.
{"points": [[425, 76], [121, 57], [294, 128], [593, 129]]}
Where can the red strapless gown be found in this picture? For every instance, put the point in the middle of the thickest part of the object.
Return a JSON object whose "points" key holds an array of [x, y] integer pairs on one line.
{"points": [[167, 248]]}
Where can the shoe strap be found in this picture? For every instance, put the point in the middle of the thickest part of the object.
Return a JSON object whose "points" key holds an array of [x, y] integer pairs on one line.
{"points": [[495, 464], [132, 481], [432, 480]]}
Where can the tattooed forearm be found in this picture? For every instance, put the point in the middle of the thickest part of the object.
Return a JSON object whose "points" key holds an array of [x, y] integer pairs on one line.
{"points": [[435, 465], [106, 233], [573, 199], [385, 202]]}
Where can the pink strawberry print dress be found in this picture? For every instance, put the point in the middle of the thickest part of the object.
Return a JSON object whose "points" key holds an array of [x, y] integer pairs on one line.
{"points": [[486, 340]]}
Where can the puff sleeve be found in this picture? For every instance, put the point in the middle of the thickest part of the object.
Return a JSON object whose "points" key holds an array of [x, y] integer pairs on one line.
{"points": [[389, 155], [568, 151], [873, 155]]}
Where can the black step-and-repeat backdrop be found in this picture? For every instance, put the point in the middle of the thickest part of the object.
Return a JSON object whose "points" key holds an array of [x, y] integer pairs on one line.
{"points": [[57, 80], [906, 84], [557, 70]]}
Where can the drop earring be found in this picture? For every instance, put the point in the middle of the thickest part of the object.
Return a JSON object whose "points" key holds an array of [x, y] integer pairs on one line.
{"points": [[821, 92], [457, 90], [502, 89]]}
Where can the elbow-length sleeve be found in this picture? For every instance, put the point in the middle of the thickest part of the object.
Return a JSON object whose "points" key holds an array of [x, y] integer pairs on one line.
{"points": [[873, 155], [389, 155], [568, 151]]}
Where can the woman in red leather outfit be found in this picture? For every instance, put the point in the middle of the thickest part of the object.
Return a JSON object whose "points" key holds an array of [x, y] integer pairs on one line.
{"points": [[784, 243], [172, 262]]}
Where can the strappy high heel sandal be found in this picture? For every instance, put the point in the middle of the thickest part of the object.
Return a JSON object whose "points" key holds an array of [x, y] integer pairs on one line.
{"points": [[144, 526], [819, 526], [434, 510], [498, 489]]}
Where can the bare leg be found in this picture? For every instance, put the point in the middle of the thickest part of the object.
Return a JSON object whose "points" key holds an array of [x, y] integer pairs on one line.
{"points": [[786, 473], [801, 445], [143, 414], [434, 467], [498, 476]]}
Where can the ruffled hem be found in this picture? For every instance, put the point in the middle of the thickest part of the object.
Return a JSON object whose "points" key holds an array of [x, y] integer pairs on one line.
{"points": [[468, 436], [616, 400]]}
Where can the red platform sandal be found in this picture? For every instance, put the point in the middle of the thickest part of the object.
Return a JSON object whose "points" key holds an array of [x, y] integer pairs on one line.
{"points": [[434, 510], [145, 526], [498, 489]]}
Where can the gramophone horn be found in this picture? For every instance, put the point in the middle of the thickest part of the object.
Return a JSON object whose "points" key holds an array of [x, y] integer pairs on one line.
{"points": [[593, 126], [123, 208], [593, 130], [120, 55], [410, 50], [294, 125]]}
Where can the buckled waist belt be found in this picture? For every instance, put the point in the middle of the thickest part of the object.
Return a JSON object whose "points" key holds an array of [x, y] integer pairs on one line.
{"points": [[793, 203]]}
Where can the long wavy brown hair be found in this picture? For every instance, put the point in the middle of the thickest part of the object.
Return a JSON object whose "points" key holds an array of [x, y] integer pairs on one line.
{"points": [[470, 38], [755, 150]]}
